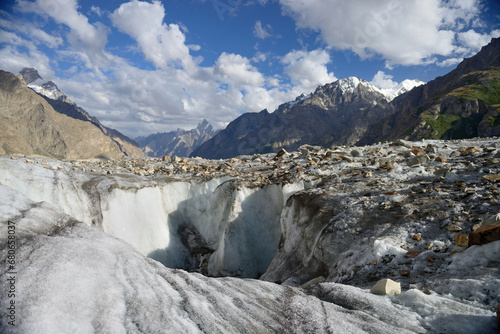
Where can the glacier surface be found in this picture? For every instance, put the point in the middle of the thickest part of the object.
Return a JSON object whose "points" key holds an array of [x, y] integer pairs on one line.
{"points": [[111, 253], [73, 278]]}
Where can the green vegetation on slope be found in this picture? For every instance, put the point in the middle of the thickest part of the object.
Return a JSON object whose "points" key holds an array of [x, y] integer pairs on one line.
{"points": [[482, 86], [443, 124], [485, 86]]}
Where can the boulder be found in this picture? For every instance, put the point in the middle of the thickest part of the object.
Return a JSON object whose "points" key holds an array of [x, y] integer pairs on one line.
{"points": [[492, 178], [280, 153], [485, 234], [402, 142], [417, 160], [386, 287], [417, 150]]}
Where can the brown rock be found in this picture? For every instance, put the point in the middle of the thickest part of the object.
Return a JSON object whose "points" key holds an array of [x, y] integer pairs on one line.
{"points": [[492, 178], [280, 153], [417, 237], [485, 234], [413, 253], [417, 151], [405, 273], [394, 192], [461, 240], [469, 151]]}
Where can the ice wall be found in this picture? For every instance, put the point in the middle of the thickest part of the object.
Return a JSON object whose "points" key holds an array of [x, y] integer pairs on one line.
{"points": [[231, 227]]}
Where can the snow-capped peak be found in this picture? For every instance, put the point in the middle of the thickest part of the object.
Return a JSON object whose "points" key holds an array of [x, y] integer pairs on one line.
{"points": [[401, 88], [46, 88], [298, 100], [347, 85]]}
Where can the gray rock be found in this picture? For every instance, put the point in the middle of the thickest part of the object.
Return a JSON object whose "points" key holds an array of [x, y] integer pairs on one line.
{"points": [[417, 160]]}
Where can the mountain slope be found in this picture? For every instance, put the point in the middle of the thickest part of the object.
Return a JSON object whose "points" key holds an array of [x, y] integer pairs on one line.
{"points": [[462, 104], [64, 105], [30, 125], [179, 143]]}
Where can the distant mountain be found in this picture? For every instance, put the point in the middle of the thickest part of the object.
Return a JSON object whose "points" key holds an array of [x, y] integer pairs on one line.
{"points": [[328, 116], [179, 143], [36, 124], [463, 104]]}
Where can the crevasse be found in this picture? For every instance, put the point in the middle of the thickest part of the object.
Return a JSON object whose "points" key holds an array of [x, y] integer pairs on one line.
{"points": [[229, 227]]}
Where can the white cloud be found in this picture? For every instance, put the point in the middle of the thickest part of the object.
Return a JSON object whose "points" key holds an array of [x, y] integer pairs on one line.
{"points": [[473, 41], [87, 40], [13, 60], [308, 69], [409, 32], [177, 93], [383, 81], [237, 70], [260, 32], [42, 36], [96, 10], [162, 44], [28, 28], [449, 62]]}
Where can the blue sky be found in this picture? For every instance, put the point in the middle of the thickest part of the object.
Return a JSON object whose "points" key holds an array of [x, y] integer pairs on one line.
{"points": [[153, 66]]}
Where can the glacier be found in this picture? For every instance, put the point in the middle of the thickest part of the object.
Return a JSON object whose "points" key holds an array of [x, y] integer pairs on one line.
{"points": [[290, 243], [73, 278]]}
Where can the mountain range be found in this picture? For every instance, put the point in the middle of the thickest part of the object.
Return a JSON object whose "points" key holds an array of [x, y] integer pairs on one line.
{"points": [[179, 143], [37, 118], [465, 103]]}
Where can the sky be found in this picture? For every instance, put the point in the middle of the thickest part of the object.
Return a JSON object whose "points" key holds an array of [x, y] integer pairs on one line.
{"points": [[144, 67]]}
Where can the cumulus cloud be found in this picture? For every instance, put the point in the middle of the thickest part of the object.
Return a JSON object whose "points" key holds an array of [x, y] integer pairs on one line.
{"points": [[410, 32], [237, 70], [162, 44], [307, 69], [383, 80]]}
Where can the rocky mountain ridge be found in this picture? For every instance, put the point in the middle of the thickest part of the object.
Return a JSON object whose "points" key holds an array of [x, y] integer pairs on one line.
{"points": [[461, 104], [318, 118], [37, 124], [180, 143]]}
